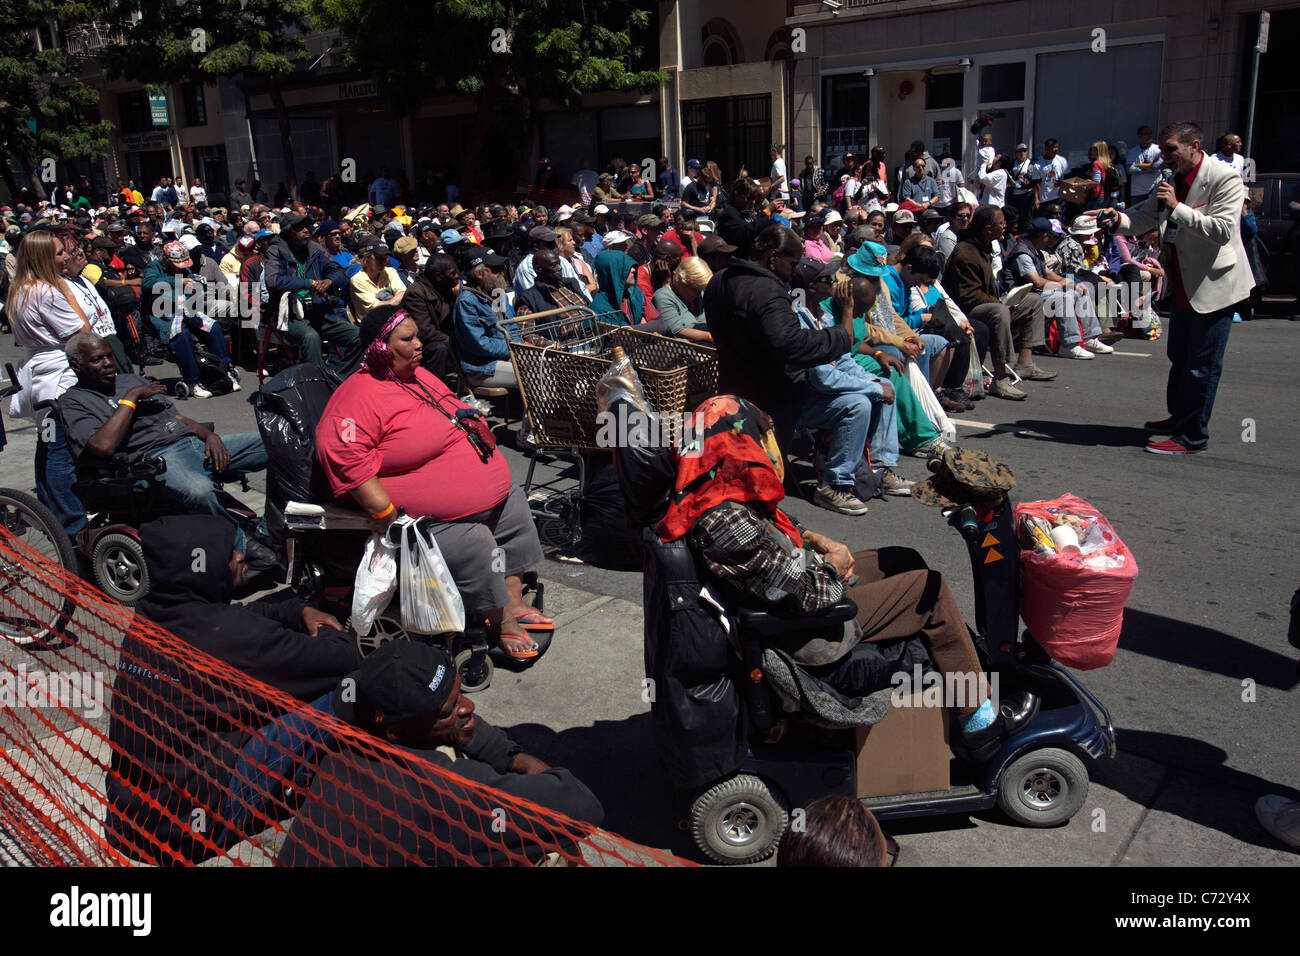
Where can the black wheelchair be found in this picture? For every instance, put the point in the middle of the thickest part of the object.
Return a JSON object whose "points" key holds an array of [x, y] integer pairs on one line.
{"points": [[717, 706]]}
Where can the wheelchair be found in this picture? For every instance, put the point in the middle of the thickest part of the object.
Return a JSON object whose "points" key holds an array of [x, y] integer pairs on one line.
{"points": [[716, 710], [323, 541]]}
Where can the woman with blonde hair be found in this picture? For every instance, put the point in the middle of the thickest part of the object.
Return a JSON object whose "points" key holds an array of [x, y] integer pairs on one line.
{"points": [[45, 313], [1103, 176], [681, 301]]}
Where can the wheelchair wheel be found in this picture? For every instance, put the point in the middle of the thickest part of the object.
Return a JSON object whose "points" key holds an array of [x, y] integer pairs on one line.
{"points": [[31, 612], [739, 820], [119, 568], [475, 669], [387, 627], [1043, 788], [181, 390]]}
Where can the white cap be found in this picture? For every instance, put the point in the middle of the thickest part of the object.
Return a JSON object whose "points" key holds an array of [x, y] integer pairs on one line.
{"points": [[832, 217], [602, 208], [616, 236], [190, 242]]}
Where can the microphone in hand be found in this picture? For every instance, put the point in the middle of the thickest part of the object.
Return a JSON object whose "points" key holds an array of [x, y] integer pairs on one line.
{"points": [[1166, 176]]}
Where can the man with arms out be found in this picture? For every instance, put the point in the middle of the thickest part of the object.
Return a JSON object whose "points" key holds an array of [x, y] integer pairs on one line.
{"points": [[107, 413], [1209, 273]]}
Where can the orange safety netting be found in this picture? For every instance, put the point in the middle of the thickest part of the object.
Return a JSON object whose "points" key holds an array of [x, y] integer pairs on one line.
{"points": [[95, 700]]}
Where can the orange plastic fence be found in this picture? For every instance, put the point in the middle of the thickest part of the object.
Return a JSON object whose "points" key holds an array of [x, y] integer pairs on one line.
{"points": [[81, 701]]}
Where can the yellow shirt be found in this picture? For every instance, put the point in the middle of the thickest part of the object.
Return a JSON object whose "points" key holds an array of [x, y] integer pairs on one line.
{"points": [[364, 292], [230, 264]]}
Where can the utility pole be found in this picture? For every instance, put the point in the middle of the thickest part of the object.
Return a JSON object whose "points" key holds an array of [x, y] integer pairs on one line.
{"points": [[1261, 46]]}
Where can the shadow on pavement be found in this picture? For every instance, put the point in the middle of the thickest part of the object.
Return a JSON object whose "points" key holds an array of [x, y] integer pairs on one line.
{"points": [[1190, 763], [1208, 650], [1088, 434], [617, 760]]}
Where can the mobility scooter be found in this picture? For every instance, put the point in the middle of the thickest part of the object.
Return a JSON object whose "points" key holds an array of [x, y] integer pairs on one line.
{"points": [[715, 708]]}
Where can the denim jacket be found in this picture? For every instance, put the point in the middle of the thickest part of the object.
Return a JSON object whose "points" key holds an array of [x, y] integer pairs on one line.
{"points": [[841, 376], [480, 341]]}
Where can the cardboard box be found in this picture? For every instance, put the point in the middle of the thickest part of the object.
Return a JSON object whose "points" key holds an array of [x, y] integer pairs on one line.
{"points": [[907, 752], [1076, 190]]}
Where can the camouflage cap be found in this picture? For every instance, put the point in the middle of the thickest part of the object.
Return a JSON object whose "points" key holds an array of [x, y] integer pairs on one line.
{"points": [[964, 476]]}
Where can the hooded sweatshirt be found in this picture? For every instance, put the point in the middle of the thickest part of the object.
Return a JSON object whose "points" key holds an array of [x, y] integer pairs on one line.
{"points": [[175, 731]]}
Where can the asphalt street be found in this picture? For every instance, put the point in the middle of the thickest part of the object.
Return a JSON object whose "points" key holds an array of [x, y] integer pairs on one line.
{"points": [[1202, 689]]}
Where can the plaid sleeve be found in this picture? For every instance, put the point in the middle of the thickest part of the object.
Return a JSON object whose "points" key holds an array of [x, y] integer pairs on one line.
{"points": [[736, 547]]}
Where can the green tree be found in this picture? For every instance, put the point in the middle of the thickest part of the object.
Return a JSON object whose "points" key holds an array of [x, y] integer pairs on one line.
{"points": [[41, 89], [508, 56], [175, 40]]}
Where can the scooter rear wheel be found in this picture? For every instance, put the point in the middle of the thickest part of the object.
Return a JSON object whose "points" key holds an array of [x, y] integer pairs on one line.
{"points": [[739, 820]]}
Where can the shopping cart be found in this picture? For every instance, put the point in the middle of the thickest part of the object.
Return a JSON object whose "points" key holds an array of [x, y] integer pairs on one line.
{"points": [[563, 355]]}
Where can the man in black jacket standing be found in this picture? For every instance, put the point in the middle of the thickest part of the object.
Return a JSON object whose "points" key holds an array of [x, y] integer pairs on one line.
{"points": [[763, 350], [737, 223], [294, 265], [369, 807], [195, 758]]}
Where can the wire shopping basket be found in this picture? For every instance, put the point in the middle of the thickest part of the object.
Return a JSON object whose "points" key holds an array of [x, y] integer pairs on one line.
{"points": [[564, 356]]}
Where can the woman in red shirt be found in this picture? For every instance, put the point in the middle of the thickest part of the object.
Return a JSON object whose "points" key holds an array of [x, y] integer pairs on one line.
{"points": [[393, 435]]}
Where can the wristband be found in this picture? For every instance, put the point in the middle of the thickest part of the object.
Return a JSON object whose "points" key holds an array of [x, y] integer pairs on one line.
{"points": [[385, 513], [877, 355], [127, 402]]}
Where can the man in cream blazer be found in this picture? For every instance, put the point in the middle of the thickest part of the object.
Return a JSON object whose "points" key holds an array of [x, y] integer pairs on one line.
{"points": [[1210, 276]]}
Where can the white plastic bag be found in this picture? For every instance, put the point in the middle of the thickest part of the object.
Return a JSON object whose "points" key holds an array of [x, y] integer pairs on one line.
{"points": [[375, 583], [431, 602], [933, 410]]}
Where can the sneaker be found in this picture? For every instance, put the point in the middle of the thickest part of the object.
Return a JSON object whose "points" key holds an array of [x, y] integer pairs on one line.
{"points": [[1280, 817], [931, 449], [1111, 337], [957, 395], [1098, 346], [198, 391], [1032, 373], [843, 500], [1171, 446], [1003, 388], [948, 405], [1074, 352], [1162, 425], [892, 483], [234, 379]]}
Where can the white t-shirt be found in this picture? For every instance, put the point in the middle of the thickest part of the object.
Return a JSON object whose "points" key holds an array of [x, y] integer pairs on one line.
{"points": [[93, 304], [1142, 183], [182, 197], [778, 169], [949, 180], [986, 155], [1049, 172], [43, 322], [1236, 161], [993, 188], [585, 180], [198, 195]]}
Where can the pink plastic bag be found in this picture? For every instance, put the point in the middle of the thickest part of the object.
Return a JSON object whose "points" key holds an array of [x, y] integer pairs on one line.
{"points": [[1074, 610]]}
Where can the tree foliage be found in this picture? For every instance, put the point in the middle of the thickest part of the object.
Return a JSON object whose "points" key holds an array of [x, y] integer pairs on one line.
{"points": [[42, 86]]}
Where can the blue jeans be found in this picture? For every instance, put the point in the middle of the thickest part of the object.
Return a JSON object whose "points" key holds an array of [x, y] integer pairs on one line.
{"points": [[884, 434], [1196, 345], [182, 345], [56, 473], [187, 482], [1072, 309], [847, 417], [285, 749], [934, 344]]}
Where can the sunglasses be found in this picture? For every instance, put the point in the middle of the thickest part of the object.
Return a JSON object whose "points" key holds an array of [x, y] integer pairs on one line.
{"points": [[1168, 150]]}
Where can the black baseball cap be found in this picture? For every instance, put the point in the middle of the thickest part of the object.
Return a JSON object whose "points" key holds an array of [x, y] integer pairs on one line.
{"points": [[485, 258], [297, 221], [401, 681], [542, 234], [103, 242], [810, 269]]}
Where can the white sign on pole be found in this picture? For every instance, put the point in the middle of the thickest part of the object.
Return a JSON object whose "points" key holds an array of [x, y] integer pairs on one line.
{"points": [[1262, 43]]}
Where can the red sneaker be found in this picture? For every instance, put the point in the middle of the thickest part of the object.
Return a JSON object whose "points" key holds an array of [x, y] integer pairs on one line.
{"points": [[1158, 425], [1171, 446]]}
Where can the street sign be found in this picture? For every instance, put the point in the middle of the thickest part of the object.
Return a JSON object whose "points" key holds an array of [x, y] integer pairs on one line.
{"points": [[1262, 43], [158, 109]]}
